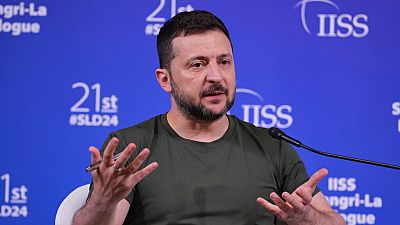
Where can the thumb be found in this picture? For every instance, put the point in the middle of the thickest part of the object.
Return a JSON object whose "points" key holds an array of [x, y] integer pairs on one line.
{"points": [[316, 178]]}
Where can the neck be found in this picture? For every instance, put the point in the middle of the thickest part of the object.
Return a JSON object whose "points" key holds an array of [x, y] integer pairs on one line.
{"points": [[197, 130]]}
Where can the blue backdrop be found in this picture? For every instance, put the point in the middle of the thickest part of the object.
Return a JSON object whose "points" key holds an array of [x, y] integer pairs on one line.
{"points": [[325, 71]]}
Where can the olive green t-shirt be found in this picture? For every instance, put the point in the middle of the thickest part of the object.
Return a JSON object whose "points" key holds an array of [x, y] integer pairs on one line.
{"points": [[211, 183]]}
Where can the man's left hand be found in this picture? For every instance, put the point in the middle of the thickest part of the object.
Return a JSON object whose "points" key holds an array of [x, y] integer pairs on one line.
{"points": [[294, 208]]}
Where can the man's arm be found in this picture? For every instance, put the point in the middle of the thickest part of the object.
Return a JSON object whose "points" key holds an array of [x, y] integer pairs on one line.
{"points": [[112, 182], [322, 213], [91, 214], [301, 208]]}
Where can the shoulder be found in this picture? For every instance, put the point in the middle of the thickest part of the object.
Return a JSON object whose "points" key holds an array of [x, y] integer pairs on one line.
{"points": [[140, 134], [143, 127], [259, 137], [259, 133]]}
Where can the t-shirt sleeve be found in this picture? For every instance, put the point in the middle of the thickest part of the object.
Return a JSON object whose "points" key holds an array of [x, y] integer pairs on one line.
{"points": [[293, 169], [120, 147]]}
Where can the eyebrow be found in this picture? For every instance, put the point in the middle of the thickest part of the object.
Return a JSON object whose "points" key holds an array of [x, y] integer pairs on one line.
{"points": [[229, 55], [205, 58]]}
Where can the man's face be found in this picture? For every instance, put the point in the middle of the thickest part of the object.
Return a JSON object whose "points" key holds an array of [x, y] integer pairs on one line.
{"points": [[202, 77]]}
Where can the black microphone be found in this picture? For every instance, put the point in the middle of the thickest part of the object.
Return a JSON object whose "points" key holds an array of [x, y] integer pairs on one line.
{"points": [[280, 135]]}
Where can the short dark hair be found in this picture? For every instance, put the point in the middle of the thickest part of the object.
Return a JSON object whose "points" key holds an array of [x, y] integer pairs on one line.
{"points": [[185, 24]]}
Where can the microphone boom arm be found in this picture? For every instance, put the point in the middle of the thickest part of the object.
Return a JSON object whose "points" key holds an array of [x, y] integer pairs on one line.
{"points": [[351, 158], [280, 135]]}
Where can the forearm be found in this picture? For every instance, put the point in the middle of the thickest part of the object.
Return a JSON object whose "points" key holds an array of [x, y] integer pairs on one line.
{"points": [[93, 213], [316, 217]]}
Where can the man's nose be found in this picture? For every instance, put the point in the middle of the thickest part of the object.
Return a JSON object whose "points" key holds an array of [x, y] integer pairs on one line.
{"points": [[213, 74]]}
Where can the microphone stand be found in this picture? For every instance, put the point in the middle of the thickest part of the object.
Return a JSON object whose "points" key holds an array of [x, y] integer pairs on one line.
{"points": [[351, 158], [280, 135]]}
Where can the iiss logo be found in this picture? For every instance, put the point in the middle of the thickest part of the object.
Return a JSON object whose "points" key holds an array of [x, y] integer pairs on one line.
{"points": [[251, 107], [343, 197], [155, 21], [15, 199], [334, 24]]}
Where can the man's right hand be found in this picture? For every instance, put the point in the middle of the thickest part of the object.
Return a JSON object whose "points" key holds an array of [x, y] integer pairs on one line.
{"points": [[112, 182]]}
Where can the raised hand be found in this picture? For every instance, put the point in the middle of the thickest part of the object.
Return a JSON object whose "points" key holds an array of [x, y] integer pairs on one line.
{"points": [[112, 181], [294, 208]]}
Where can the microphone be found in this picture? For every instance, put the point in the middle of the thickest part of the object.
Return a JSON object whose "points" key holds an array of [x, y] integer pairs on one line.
{"points": [[280, 135]]}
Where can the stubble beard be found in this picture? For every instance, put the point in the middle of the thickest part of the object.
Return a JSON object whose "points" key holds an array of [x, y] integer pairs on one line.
{"points": [[199, 112]]}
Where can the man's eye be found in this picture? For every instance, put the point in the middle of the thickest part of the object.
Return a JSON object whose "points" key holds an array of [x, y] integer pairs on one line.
{"points": [[197, 65], [225, 62]]}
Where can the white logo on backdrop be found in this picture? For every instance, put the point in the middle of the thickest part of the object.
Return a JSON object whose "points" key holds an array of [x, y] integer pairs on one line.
{"points": [[105, 108], [8, 24], [344, 197], [15, 199], [396, 112], [334, 24], [155, 21], [265, 115]]}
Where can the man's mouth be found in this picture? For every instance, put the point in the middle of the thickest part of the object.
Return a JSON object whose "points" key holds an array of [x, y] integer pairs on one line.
{"points": [[215, 93]]}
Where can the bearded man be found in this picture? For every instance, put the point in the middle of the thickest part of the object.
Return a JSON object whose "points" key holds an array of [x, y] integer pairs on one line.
{"points": [[205, 167]]}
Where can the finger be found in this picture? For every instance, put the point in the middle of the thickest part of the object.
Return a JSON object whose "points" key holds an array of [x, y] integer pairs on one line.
{"points": [[279, 202], [272, 208], [141, 174], [95, 159], [133, 166], [295, 203], [109, 152], [316, 178], [94, 154], [304, 195], [124, 156]]}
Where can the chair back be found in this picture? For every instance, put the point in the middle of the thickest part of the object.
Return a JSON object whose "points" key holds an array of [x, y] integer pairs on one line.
{"points": [[74, 201]]}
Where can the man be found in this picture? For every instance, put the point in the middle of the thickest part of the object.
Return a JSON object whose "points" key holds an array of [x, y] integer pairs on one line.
{"points": [[212, 167]]}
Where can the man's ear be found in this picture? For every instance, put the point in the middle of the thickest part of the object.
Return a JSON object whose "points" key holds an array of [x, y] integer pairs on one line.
{"points": [[163, 78]]}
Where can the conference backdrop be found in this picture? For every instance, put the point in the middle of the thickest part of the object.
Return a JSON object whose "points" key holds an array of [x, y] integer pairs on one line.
{"points": [[324, 71]]}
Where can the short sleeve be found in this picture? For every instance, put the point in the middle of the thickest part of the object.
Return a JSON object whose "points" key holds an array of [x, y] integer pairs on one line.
{"points": [[293, 169]]}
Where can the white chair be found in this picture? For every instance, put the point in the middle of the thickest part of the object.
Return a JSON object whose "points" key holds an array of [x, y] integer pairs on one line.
{"points": [[74, 201]]}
